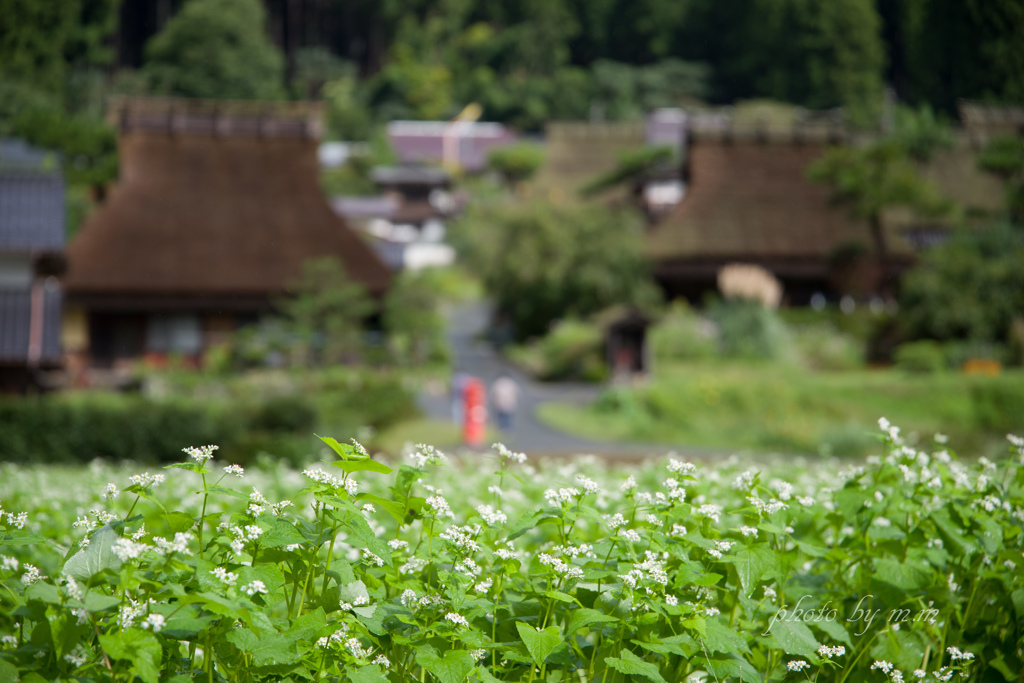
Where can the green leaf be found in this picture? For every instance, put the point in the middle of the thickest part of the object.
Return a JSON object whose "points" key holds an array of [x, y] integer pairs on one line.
{"points": [[586, 617], [795, 638], [527, 522], [720, 638], [909, 576], [393, 508], [98, 602], [631, 665], [352, 591], [367, 674], [190, 466], [363, 466], [142, 649], [278, 532], [539, 643], [308, 626], [343, 449], [15, 537], [270, 649], [96, 558], [751, 564], [46, 592], [8, 672], [225, 491], [834, 629], [560, 596], [454, 667], [724, 668], [179, 521]]}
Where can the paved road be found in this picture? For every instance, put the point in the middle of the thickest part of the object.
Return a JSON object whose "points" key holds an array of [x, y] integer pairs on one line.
{"points": [[476, 357]]}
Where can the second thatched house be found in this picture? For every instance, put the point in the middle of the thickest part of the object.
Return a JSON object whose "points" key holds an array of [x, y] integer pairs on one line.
{"points": [[217, 207]]}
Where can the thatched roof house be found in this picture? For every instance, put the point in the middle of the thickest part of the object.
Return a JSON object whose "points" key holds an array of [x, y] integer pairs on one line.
{"points": [[748, 200], [217, 208]]}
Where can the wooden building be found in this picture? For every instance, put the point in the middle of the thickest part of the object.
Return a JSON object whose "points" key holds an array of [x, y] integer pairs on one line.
{"points": [[217, 207], [31, 256], [748, 200]]}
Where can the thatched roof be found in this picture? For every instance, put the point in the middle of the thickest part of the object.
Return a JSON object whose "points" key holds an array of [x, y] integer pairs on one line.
{"points": [[215, 203], [750, 201]]}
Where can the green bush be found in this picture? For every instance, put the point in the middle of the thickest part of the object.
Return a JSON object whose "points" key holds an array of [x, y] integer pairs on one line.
{"points": [[284, 414], [823, 347], [572, 350], [999, 404], [920, 356], [747, 329], [682, 334], [57, 429]]}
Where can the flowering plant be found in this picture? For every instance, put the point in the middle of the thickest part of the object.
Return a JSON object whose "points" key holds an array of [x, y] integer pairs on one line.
{"points": [[903, 568]]}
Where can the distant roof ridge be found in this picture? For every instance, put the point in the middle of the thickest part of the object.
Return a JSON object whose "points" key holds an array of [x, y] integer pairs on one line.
{"points": [[258, 118]]}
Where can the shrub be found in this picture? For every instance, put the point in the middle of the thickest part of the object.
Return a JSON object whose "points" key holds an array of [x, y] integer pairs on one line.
{"points": [[573, 350], [747, 329], [920, 356], [683, 334], [822, 347], [998, 404]]}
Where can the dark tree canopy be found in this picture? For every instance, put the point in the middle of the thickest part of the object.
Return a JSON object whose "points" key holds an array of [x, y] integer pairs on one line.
{"points": [[216, 49]]}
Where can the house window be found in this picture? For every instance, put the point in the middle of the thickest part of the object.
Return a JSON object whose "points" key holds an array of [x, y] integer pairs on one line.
{"points": [[174, 333]]}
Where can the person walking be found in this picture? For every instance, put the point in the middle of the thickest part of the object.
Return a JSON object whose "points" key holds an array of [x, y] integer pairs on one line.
{"points": [[505, 396]]}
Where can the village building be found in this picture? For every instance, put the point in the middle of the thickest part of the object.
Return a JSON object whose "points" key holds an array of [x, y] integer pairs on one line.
{"points": [[31, 256], [459, 145], [217, 207]]}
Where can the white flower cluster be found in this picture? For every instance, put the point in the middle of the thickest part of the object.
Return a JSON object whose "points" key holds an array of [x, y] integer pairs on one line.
{"points": [[891, 431], [31, 575], [560, 566], [372, 558], [127, 614], [200, 454], [110, 491], [490, 515], [357, 650], [439, 507], [398, 544], [77, 657], [556, 498], [769, 508], [720, 547], [427, 455], [748, 531], [127, 549], [628, 485], [456, 619], [589, 485], [680, 467], [254, 587], [745, 480], [224, 575], [506, 553], [956, 654], [462, 537], [711, 511], [469, 567], [9, 641], [507, 455], [178, 545], [236, 470], [321, 477], [146, 480], [153, 622], [797, 665], [829, 652]]}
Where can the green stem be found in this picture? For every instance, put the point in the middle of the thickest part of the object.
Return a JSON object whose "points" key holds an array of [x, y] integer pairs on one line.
{"points": [[330, 552]]}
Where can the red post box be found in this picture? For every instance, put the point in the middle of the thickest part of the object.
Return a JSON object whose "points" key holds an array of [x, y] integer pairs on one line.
{"points": [[474, 426]]}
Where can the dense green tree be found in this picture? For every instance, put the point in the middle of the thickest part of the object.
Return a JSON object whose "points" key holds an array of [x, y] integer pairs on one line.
{"points": [[971, 288], [216, 49], [874, 177], [326, 312], [540, 263], [1004, 156], [517, 162], [412, 319], [944, 50]]}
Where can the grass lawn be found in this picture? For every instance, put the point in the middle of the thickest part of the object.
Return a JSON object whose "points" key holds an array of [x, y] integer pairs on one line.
{"points": [[778, 408]]}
